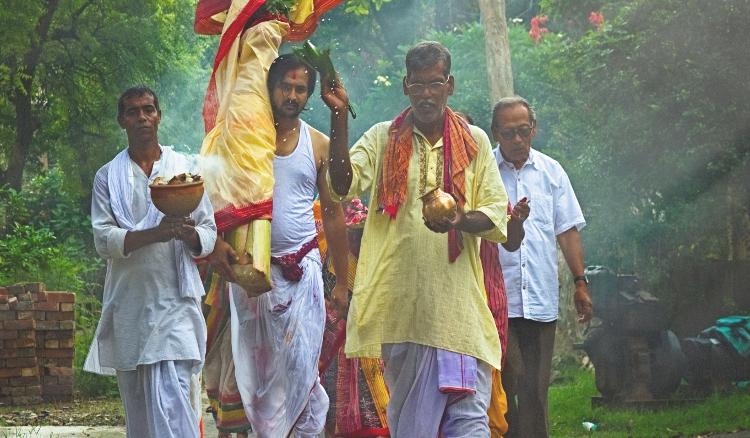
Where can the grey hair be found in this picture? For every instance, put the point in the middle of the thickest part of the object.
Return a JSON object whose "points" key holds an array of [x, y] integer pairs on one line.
{"points": [[507, 102], [428, 54]]}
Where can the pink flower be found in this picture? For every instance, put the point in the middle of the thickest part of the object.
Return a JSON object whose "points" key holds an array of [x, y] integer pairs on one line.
{"points": [[355, 212], [596, 19], [537, 27]]}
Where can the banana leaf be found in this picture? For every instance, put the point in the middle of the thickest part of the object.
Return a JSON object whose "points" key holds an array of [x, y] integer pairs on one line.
{"points": [[320, 60]]}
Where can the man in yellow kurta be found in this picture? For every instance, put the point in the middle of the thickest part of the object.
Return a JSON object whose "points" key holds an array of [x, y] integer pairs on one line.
{"points": [[419, 300]]}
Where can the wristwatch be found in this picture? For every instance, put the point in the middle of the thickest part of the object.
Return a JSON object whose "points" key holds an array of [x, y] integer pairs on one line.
{"points": [[583, 278]]}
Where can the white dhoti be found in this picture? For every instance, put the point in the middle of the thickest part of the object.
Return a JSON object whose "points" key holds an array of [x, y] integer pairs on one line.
{"points": [[157, 400], [418, 409], [276, 342]]}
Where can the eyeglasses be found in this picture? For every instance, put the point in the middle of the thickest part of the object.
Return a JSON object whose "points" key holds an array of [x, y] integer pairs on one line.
{"points": [[435, 87], [510, 134]]}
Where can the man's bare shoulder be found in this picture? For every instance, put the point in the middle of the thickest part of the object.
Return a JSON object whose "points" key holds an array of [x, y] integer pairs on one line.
{"points": [[320, 145], [318, 138]]}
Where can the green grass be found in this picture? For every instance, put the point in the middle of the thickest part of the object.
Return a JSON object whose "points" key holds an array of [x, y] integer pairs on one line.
{"points": [[570, 405]]}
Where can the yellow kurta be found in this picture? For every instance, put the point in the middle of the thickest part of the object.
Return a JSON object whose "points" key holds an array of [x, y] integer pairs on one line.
{"points": [[405, 289]]}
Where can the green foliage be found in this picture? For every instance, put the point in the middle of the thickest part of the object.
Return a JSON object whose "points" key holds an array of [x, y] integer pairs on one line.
{"points": [[362, 7], [25, 253], [45, 201], [88, 310], [92, 52], [648, 116], [44, 236], [282, 7]]}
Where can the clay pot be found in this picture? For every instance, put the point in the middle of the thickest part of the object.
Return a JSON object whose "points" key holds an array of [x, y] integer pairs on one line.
{"points": [[177, 199], [438, 205]]}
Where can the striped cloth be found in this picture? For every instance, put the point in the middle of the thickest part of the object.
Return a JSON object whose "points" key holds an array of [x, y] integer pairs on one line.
{"points": [[459, 149], [218, 371], [356, 387]]}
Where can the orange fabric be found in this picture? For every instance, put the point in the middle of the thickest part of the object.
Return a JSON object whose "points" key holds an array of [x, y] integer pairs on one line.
{"points": [[322, 242], [498, 407], [461, 149]]}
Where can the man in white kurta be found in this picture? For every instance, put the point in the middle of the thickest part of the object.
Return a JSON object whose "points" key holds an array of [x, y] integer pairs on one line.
{"points": [[151, 333]]}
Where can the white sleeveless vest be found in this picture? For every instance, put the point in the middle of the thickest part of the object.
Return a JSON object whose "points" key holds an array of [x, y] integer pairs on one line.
{"points": [[294, 190]]}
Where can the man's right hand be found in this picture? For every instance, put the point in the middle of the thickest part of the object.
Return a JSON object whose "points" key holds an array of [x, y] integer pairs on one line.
{"points": [[334, 95], [222, 259], [340, 300], [521, 210]]}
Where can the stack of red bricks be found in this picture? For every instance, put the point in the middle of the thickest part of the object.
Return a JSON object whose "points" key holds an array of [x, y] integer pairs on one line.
{"points": [[37, 332]]}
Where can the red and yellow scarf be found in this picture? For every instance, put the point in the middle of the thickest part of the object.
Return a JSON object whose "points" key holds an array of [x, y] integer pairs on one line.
{"points": [[459, 149]]}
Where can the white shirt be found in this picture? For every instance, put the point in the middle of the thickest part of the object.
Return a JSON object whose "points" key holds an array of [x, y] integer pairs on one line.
{"points": [[531, 272], [144, 319]]}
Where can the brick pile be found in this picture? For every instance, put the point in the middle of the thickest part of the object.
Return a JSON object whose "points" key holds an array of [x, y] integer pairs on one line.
{"points": [[37, 335]]}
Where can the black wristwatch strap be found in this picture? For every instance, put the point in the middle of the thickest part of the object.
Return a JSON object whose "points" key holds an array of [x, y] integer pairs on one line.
{"points": [[578, 278]]}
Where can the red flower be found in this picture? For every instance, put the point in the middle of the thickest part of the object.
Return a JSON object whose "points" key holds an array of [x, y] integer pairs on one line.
{"points": [[596, 19], [537, 27]]}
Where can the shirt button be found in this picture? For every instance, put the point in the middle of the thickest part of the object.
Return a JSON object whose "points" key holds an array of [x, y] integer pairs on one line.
{"points": [[524, 287], [523, 265]]}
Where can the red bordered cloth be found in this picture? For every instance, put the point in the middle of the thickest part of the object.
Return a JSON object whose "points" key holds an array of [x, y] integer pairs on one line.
{"points": [[206, 25], [494, 284], [459, 150], [290, 268], [231, 216]]}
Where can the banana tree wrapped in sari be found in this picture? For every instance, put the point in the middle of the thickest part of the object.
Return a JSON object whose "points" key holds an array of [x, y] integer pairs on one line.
{"points": [[237, 158]]}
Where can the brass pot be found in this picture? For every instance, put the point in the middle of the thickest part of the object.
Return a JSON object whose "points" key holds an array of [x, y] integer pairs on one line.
{"points": [[438, 205], [253, 281], [177, 199]]}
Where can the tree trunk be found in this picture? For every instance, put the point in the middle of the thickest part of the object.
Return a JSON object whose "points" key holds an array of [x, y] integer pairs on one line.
{"points": [[26, 123], [24, 132], [496, 48]]}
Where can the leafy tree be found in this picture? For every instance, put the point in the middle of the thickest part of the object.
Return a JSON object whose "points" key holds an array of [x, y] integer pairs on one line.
{"points": [[64, 62], [648, 113]]}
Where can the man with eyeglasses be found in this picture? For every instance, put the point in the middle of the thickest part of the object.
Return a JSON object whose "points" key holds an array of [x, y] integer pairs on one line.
{"points": [[531, 272], [419, 300]]}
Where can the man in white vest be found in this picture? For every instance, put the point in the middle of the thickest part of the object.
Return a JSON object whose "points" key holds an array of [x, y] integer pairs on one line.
{"points": [[276, 338]]}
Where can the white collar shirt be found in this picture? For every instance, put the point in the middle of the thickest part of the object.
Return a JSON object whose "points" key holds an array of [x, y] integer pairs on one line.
{"points": [[530, 273]]}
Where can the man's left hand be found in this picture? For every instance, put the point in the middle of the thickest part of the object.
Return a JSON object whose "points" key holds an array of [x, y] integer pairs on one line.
{"points": [[447, 224], [582, 300]]}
